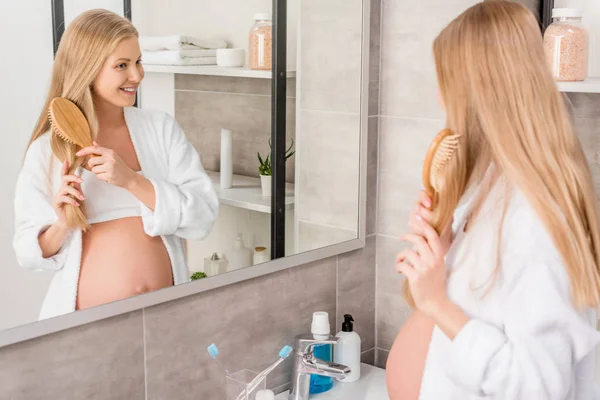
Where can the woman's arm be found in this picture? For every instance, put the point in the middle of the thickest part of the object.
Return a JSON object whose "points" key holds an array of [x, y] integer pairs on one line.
{"points": [[185, 204], [39, 237], [52, 239], [543, 338]]}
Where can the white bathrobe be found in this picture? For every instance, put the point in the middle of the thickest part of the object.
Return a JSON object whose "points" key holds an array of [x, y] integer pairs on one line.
{"points": [[186, 204], [525, 340]]}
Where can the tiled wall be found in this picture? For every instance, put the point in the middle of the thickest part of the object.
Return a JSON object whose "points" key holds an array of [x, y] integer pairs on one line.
{"points": [[159, 353], [409, 117], [329, 122], [206, 104]]}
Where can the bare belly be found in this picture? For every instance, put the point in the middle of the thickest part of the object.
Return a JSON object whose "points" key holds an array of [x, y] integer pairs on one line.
{"points": [[406, 362], [118, 261]]}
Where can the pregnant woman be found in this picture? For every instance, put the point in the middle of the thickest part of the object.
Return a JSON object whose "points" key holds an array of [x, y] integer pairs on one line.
{"points": [[505, 303], [143, 192]]}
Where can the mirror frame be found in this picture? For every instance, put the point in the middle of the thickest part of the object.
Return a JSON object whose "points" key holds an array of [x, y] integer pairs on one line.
{"points": [[52, 325], [58, 19]]}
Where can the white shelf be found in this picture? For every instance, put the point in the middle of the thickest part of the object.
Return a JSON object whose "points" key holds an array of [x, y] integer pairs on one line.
{"points": [[246, 193], [213, 70], [590, 85]]}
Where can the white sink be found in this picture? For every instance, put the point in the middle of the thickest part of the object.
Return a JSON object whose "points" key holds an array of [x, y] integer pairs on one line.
{"points": [[370, 386]]}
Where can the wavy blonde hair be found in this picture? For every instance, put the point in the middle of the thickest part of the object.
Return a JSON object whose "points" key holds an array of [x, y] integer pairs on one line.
{"points": [[82, 52], [499, 94]]}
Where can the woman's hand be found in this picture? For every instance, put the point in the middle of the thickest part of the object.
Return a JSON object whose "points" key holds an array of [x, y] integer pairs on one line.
{"points": [[425, 270], [69, 191], [108, 166], [423, 265], [422, 212]]}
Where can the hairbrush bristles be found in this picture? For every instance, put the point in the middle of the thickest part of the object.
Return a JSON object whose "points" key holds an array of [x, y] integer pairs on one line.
{"points": [[440, 151], [442, 155], [56, 131]]}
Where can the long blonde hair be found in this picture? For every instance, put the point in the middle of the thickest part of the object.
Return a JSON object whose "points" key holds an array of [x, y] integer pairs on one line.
{"points": [[499, 94], [83, 50]]}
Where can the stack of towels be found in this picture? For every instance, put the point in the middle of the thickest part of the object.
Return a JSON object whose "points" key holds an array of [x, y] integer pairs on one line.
{"points": [[180, 50]]}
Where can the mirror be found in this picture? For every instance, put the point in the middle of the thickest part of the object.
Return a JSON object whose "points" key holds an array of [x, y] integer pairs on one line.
{"points": [[205, 167]]}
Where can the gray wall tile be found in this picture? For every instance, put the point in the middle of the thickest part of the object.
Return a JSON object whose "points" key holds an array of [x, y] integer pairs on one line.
{"points": [[381, 357], [368, 357], [588, 132], [103, 360], [584, 105], [202, 115], [329, 168], [356, 291], [227, 84], [392, 310], [403, 144], [250, 322], [408, 79], [331, 55], [313, 236]]}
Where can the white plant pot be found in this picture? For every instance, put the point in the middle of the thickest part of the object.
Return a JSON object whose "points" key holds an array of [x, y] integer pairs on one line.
{"points": [[265, 183]]}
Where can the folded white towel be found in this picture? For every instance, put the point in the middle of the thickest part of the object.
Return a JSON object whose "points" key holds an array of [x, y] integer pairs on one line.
{"points": [[177, 54], [178, 42], [169, 58]]}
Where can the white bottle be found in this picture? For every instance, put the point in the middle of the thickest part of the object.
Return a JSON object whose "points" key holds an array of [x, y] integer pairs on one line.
{"points": [[347, 350], [226, 159], [240, 256]]}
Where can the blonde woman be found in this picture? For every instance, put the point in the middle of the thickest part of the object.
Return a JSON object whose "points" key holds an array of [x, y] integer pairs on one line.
{"points": [[110, 226], [511, 292]]}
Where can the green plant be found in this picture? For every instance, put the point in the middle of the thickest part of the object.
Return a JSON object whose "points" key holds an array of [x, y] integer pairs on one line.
{"points": [[265, 167], [198, 275]]}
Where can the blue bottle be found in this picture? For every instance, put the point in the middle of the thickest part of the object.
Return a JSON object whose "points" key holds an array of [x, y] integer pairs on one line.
{"points": [[320, 329]]}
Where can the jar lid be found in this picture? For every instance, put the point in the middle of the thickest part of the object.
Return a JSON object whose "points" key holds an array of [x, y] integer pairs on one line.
{"points": [[566, 13], [262, 16]]}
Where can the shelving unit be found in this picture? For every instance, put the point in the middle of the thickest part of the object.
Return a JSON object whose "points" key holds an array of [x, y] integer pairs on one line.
{"points": [[213, 70], [590, 85], [246, 193]]}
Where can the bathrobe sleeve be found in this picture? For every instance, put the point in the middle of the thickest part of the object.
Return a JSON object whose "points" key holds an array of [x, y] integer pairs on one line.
{"points": [[544, 337], [186, 203], [33, 210]]}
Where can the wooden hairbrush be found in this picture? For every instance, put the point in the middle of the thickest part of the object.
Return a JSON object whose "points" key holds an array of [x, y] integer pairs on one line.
{"points": [[68, 122], [439, 153]]}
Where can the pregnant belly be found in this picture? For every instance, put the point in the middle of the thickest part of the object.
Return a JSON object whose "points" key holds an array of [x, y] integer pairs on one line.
{"points": [[118, 261], [406, 362]]}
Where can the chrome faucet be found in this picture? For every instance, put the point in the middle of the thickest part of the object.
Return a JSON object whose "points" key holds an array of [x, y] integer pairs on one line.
{"points": [[305, 364]]}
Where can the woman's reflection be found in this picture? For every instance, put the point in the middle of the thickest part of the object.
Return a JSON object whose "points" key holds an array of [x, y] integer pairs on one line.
{"points": [[144, 191]]}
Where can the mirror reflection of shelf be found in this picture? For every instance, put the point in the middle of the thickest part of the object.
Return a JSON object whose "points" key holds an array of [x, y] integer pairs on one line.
{"points": [[213, 70], [590, 85], [246, 193]]}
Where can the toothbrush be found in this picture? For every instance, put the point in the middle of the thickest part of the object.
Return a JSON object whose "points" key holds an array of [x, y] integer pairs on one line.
{"points": [[213, 351], [283, 354]]}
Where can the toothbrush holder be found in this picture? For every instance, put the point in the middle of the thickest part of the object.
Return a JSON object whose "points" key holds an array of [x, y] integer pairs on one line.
{"points": [[237, 385]]}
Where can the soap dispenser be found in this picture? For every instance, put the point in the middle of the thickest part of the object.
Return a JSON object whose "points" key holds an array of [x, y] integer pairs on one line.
{"points": [[321, 331], [347, 350], [240, 256]]}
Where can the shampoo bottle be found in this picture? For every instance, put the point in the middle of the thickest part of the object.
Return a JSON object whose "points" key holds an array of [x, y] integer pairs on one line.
{"points": [[347, 350]]}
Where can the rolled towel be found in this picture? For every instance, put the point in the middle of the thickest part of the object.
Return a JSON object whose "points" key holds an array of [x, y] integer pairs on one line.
{"points": [[178, 42]]}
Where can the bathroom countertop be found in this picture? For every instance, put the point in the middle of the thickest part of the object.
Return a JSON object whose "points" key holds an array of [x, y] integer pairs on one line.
{"points": [[370, 386]]}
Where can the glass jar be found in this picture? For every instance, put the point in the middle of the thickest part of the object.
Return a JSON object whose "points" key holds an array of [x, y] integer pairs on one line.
{"points": [[566, 42], [261, 42]]}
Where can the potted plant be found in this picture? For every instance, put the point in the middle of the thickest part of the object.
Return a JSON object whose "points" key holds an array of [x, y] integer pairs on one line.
{"points": [[265, 169]]}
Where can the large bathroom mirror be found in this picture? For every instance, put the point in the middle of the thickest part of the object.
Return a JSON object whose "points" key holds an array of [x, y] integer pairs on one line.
{"points": [[245, 87]]}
